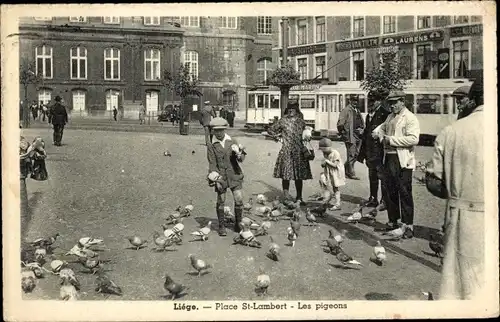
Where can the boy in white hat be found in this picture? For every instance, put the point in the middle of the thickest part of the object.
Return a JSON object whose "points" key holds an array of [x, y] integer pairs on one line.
{"points": [[333, 176], [224, 157]]}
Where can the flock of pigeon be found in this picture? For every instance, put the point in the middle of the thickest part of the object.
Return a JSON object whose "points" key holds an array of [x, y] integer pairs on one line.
{"points": [[86, 249]]}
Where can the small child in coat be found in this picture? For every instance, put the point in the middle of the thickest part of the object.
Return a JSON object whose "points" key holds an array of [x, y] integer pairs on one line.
{"points": [[333, 175]]}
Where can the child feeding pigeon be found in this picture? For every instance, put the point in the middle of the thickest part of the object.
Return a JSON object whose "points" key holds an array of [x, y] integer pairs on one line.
{"points": [[224, 158], [333, 175]]}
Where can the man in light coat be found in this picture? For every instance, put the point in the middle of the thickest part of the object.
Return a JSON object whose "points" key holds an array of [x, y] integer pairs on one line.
{"points": [[207, 113], [350, 127], [456, 173], [399, 134]]}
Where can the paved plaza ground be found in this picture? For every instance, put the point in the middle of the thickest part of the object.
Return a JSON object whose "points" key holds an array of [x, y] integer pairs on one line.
{"points": [[111, 185]]}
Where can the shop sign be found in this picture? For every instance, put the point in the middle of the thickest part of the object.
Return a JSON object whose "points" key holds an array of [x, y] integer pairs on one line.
{"points": [[306, 87], [466, 31], [443, 63], [305, 50], [389, 49], [357, 44], [413, 38]]}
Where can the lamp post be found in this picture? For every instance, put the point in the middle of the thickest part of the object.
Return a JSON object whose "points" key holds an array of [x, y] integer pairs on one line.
{"points": [[285, 90]]}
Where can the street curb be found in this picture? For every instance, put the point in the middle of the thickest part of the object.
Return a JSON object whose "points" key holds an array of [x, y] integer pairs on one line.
{"points": [[388, 244]]}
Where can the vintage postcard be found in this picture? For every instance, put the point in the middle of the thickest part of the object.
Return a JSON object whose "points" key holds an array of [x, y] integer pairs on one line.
{"points": [[329, 160]]}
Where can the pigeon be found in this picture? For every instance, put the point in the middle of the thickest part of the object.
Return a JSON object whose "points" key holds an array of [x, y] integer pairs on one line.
{"points": [[228, 215], [247, 221], [436, 244], [263, 210], [357, 215], [263, 228], [320, 210], [379, 254], [87, 242], [274, 250], [340, 237], [290, 204], [106, 286], [430, 296], [198, 264], [91, 264], [345, 259], [161, 242], [174, 289], [332, 243], [40, 254], [82, 252], [189, 207], [28, 280], [69, 274], [35, 268], [292, 237], [178, 228], [246, 237], [273, 215], [316, 196], [394, 234], [248, 206], [45, 242], [295, 225], [56, 265], [311, 218], [261, 199], [275, 204], [68, 291], [193, 152], [167, 153], [137, 242], [263, 282], [174, 217], [203, 232]]}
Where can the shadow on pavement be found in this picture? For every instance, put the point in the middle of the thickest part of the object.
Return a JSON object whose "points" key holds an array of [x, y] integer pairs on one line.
{"points": [[203, 221], [373, 296]]}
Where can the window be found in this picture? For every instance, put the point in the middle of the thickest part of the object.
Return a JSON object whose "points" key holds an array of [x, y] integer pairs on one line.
{"points": [[44, 96], [460, 58], [358, 63], [43, 18], [460, 19], [264, 69], [44, 61], [151, 64], [307, 102], [301, 32], [275, 101], [424, 22], [428, 104], [78, 63], [251, 101], [289, 59], [320, 67], [151, 21], [264, 25], [262, 100], [78, 100], [358, 26], [422, 63], [409, 102], [226, 22], [389, 24], [302, 68], [112, 20], [112, 64], [320, 29], [78, 19], [189, 21], [447, 101], [191, 61]]}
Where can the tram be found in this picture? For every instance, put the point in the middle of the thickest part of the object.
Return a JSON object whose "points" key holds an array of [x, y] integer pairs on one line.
{"points": [[430, 100]]}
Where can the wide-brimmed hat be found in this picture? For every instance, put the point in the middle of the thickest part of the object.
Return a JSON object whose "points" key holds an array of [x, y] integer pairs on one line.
{"points": [[58, 98], [218, 123], [461, 91], [395, 95], [325, 143]]}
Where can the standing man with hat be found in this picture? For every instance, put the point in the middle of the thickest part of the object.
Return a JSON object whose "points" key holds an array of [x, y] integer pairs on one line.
{"points": [[206, 116], [224, 157], [456, 173], [350, 127], [59, 118], [399, 134], [464, 105]]}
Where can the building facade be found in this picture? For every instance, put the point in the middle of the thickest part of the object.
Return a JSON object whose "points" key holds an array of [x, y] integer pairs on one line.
{"points": [[97, 63], [344, 48]]}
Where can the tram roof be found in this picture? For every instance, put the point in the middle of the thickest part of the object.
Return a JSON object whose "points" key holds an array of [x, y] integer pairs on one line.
{"points": [[413, 84]]}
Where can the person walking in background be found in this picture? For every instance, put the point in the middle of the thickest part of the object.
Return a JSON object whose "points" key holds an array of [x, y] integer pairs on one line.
{"points": [[223, 113], [291, 164], [456, 173], [59, 119], [206, 116], [399, 134], [372, 151], [115, 113], [350, 127], [34, 110], [230, 115], [142, 114], [333, 176], [44, 110]]}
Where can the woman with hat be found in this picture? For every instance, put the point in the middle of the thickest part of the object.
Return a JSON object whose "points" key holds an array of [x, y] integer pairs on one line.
{"points": [[291, 163], [224, 157]]}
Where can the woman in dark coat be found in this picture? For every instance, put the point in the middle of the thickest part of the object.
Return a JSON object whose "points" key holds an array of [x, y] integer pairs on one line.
{"points": [[290, 163]]}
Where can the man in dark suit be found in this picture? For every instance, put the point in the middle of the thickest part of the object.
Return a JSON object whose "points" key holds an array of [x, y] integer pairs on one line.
{"points": [[59, 118], [372, 151], [206, 116], [350, 127]]}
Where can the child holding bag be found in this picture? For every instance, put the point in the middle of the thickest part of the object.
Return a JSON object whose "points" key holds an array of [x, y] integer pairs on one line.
{"points": [[333, 175]]}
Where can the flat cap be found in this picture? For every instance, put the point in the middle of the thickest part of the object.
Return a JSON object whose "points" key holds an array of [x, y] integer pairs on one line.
{"points": [[218, 123], [325, 143], [461, 91], [394, 95], [206, 102]]}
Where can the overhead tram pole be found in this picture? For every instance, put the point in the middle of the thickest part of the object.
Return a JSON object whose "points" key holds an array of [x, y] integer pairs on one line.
{"points": [[285, 90]]}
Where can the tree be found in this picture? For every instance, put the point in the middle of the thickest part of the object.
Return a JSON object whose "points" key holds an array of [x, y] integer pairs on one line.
{"points": [[27, 77], [183, 84], [284, 77], [387, 75]]}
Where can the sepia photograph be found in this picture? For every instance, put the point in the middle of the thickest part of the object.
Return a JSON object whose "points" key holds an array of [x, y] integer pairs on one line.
{"points": [[282, 164]]}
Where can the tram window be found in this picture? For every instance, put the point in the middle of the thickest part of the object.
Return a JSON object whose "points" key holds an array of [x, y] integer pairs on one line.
{"points": [[329, 105], [275, 101], [428, 104], [446, 103], [341, 102], [333, 103], [307, 103], [321, 103], [262, 100], [409, 102], [251, 101]]}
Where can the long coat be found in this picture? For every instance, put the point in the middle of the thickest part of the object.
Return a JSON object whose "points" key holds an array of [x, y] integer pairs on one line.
{"points": [[458, 163], [59, 114], [206, 115], [372, 149], [345, 125]]}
